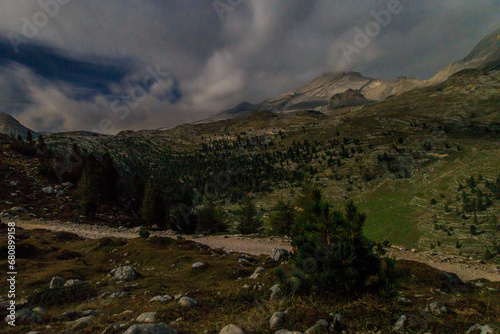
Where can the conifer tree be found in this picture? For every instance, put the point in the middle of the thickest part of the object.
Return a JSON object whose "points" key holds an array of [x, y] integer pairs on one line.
{"points": [[87, 193], [249, 222], [281, 219], [211, 218], [153, 211]]}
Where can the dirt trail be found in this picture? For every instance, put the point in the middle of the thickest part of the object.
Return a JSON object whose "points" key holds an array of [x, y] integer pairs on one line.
{"points": [[465, 268]]}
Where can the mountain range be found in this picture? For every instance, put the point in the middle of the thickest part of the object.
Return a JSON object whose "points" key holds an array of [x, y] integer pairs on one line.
{"points": [[316, 94]]}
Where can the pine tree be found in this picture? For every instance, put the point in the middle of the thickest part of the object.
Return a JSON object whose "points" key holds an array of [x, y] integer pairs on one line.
{"points": [[41, 144], [281, 220], [108, 179], [153, 211], [249, 222], [87, 194], [329, 246], [211, 219]]}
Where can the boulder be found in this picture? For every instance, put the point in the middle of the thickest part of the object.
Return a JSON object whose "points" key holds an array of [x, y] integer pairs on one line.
{"points": [[277, 320], [161, 328], [73, 315], [276, 292], [316, 329], [80, 323], [48, 190], [257, 272], [121, 294], [73, 282], [481, 329], [26, 317], [199, 265], [148, 317], [231, 329], [113, 328], [399, 325], [40, 310], [57, 282], [279, 254], [403, 301], [125, 273], [187, 302], [436, 309], [161, 299]]}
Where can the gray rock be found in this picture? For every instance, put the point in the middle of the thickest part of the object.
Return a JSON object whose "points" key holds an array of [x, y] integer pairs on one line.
{"points": [[323, 323], [231, 329], [125, 273], [403, 301], [73, 282], [285, 331], [398, 326], [80, 323], [40, 310], [277, 320], [161, 299], [436, 308], [48, 190], [316, 329], [199, 265], [244, 262], [148, 317], [26, 317], [257, 272], [113, 328], [276, 292], [150, 329], [187, 302], [481, 329], [116, 295], [72, 315], [57, 282], [279, 254]]}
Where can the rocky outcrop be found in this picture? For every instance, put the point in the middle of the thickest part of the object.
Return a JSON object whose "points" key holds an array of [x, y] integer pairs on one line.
{"points": [[349, 98]]}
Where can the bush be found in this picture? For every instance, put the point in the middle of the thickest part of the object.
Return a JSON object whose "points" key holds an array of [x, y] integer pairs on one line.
{"points": [[329, 246]]}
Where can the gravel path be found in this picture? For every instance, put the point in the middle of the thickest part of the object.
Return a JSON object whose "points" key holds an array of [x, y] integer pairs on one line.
{"points": [[465, 268]]}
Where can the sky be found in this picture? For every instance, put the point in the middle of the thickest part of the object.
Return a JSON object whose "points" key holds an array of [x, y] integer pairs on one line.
{"points": [[115, 65]]}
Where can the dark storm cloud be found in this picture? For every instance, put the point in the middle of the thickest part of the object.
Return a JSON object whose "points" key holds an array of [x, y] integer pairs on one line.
{"points": [[91, 58]]}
